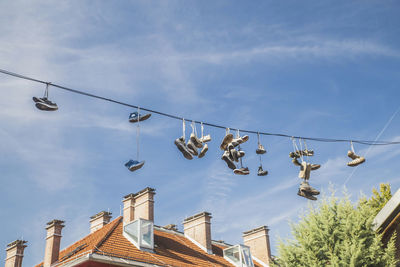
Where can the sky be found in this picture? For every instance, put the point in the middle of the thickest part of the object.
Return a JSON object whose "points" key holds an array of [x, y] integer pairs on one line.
{"points": [[312, 68]]}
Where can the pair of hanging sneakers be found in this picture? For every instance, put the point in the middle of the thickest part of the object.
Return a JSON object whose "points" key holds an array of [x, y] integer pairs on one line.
{"points": [[356, 159], [305, 190], [231, 155], [190, 148], [134, 117], [260, 151], [43, 103]]}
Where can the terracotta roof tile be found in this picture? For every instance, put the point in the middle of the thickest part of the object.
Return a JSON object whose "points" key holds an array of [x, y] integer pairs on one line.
{"points": [[171, 248]]}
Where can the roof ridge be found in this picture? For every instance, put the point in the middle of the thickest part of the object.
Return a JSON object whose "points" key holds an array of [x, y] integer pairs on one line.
{"points": [[98, 245]]}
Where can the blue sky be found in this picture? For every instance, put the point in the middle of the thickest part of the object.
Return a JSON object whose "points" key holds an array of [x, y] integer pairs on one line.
{"points": [[324, 69]]}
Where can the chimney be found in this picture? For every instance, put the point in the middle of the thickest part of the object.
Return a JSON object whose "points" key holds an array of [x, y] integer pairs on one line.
{"points": [[144, 204], [197, 228], [53, 241], [15, 253], [258, 241], [139, 205], [99, 220], [129, 208]]}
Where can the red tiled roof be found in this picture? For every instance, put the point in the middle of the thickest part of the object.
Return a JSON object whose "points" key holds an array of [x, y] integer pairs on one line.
{"points": [[171, 248]]}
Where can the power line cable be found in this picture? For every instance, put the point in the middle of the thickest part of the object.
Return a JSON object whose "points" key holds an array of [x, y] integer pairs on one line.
{"points": [[317, 139]]}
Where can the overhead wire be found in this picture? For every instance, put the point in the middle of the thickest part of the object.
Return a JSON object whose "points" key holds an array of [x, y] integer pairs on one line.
{"points": [[317, 139]]}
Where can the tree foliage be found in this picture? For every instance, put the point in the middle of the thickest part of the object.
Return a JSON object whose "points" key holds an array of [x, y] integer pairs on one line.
{"points": [[338, 233], [380, 198]]}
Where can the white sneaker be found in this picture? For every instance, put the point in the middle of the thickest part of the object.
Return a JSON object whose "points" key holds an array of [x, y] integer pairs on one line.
{"points": [[203, 151]]}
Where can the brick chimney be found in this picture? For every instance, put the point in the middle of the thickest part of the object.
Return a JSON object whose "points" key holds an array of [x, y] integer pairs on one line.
{"points": [[99, 220], [53, 241], [129, 208], [197, 228], [15, 253], [258, 241], [139, 205]]}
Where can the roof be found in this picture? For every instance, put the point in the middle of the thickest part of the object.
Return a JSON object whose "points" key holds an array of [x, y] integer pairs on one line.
{"points": [[172, 248], [389, 216]]}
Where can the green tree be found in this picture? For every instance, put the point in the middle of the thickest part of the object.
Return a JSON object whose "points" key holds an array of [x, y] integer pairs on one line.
{"points": [[380, 198], [338, 233]]}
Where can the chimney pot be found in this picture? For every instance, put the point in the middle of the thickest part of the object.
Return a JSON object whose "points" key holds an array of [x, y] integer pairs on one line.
{"points": [[15, 253], [258, 241], [198, 229], [99, 220], [53, 241]]}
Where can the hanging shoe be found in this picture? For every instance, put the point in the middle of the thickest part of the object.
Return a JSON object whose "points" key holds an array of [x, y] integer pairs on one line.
{"points": [[135, 117], [205, 139], [315, 167], [306, 195], [356, 161], [45, 104], [241, 171], [305, 186], [261, 172], [307, 152], [180, 143], [134, 165], [192, 148], [196, 141], [203, 151], [305, 170], [228, 160], [234, 154], [294, 155], [296, 162], [261, 150], [237, 141], [227, 139]]}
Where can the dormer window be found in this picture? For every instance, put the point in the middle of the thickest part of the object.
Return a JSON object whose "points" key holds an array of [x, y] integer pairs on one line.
{"points": [[140, 233], [239, 255]]}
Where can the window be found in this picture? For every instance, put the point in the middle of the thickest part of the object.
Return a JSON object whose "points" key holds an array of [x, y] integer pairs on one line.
{"points": [[239, 255], [140, 233]]}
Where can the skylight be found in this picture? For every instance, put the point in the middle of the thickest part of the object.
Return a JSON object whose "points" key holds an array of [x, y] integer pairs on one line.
{"points": [[239, 255], [140, 233]]}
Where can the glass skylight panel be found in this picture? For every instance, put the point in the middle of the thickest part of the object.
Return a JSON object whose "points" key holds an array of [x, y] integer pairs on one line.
{"points": [[141, 233], [132, 230], [146, 231], [239, 255]]}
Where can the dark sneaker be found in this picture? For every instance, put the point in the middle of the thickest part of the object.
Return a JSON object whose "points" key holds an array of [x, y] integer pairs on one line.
{"points": [[306, 195], [180, 144], [205, 139], [241, 171], [356, 161], [45, 104], [293, 155], [192, 148], [196, 141], [203, 151], [227, 139], [135, 117], [261, 172], [296, 162], [261, 150], [315, 167], [228, 160], [134, 165]]}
